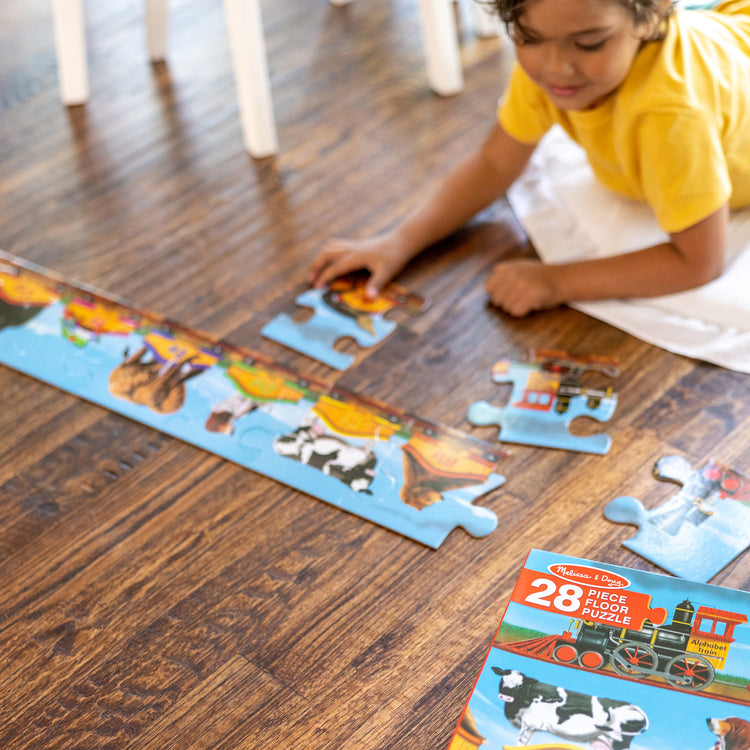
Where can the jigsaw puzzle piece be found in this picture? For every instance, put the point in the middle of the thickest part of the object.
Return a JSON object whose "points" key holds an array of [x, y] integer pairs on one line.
{"points": [[317, 336], [696, 553], [682, 506], [546, 397], [674, 469], [353, 456], [341, 310], [700, 529], [443, 473], [24, 347], [525, 429], [423, 487], [474, 519], [430, 524], [385, 503]]}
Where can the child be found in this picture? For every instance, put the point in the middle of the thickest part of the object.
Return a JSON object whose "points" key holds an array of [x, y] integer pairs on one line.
{"points": [[659, 99]]}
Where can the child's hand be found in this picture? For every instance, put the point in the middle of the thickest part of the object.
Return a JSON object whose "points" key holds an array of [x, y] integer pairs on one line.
{"points": [[521, 286], [382, 256]]}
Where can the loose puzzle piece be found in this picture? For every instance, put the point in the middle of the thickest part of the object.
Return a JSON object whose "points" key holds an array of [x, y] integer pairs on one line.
{"points": [[341, 310], [405, 473], [547, 396], [700, 529]]}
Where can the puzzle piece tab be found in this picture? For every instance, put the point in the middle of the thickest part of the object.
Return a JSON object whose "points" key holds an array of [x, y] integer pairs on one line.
{"points": [[547, 396], [339, 311], [700, 529]]}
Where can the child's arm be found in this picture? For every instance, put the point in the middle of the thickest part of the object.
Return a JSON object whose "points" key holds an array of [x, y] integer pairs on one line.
{"points": [[693, 257], [471, 186]]}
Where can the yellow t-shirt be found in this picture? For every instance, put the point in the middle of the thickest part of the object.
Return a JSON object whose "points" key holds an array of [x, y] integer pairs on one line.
{"points": [[676, 134]]}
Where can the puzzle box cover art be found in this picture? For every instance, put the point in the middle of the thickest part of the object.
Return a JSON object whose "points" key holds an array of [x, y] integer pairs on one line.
{"points": [[592, 655]]}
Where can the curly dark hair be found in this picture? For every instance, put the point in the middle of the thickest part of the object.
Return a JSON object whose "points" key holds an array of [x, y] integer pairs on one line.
{"points": [[642, 11]]}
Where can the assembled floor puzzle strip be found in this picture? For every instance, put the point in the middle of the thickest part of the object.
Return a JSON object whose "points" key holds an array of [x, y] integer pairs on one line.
{"points": [[589, 654], [405, 473], [547, 396], [700, 529], [341, 310]]}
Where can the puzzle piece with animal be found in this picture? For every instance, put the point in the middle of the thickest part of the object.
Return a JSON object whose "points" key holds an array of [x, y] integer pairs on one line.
{"points": [[700, 529], [402, 472], [341, 310], [547, 395]]}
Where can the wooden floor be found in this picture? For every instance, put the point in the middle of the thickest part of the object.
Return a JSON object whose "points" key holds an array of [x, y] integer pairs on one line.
{"points": [[156, 596]]}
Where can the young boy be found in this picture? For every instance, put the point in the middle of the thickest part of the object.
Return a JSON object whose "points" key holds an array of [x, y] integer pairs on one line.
{"points": [[659, 99]]}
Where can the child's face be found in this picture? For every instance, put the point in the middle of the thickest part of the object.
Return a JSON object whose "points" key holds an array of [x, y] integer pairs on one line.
{"points": [[577, 51]]}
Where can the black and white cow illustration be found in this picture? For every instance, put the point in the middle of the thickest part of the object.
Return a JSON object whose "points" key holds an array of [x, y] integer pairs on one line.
{"points": [[354, 465], [533, 706]]}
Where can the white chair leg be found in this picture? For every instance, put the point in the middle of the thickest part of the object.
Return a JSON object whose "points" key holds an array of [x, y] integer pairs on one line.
{"points": [[156, 29], [248, 50], [70, 45], [486, 24], [441, 47]]}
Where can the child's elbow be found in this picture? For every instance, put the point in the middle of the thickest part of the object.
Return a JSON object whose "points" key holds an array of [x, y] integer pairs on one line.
{"points": [[701, 274], [710, 267], [703, 247]]}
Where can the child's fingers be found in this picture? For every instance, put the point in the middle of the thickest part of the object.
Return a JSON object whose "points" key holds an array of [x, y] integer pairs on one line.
{"points": [[378, 279], [522, 286], [318, 264], [327, 265], [323, 259], [320, 268], [322, 277], [335, 267]]}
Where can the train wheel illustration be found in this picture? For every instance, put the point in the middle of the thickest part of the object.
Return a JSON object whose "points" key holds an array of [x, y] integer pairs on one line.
{"points": [[591, 660], [689, 671], [563, 402], [565, 653], [632, 659]]}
